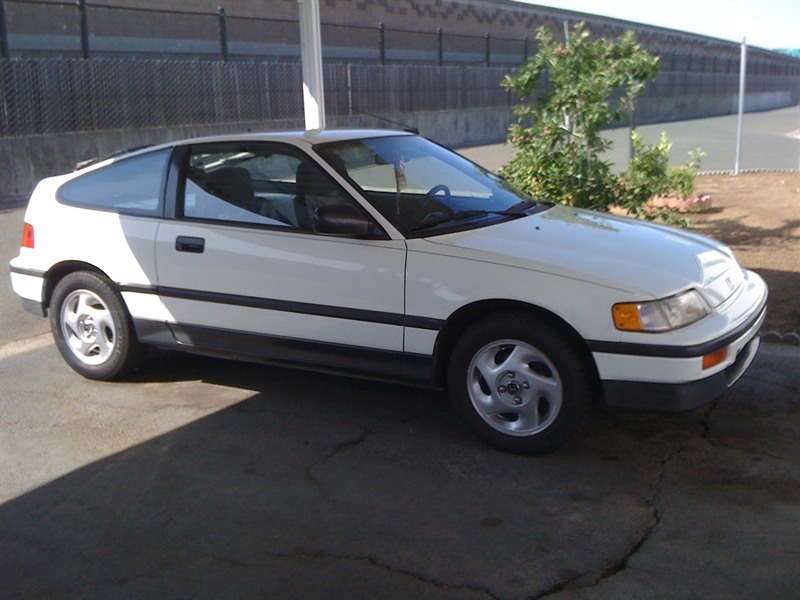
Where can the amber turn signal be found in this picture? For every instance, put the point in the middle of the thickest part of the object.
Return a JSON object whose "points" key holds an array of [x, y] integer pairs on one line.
{"points": [[626, 317], [716, 357]]}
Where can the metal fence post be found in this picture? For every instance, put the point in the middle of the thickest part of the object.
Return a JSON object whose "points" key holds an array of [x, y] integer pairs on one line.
{"points": [[84, 19], [440, 48], [3, 32], [223, 33], [350, 89], [488, 59], [742, 87], [382, 42]]}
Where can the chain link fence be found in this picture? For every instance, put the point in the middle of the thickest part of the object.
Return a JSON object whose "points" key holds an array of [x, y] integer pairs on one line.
{"points": [[149, 62], [86, 65], [90, 29], [98, 29], [46, 95], [66, 95]]}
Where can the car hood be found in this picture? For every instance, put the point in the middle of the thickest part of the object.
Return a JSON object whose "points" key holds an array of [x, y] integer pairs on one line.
{"points": [[642, 258]]}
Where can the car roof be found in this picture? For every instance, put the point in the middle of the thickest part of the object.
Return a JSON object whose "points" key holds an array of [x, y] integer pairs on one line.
{"points": [[309, 138]]}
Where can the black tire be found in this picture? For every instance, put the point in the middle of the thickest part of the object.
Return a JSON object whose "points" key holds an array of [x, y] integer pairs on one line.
{"points": [[519, 384], [92, 327]]}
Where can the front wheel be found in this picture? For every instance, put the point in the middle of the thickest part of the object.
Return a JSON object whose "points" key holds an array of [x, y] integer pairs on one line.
{"points": [[92, 328], [519, 384]]}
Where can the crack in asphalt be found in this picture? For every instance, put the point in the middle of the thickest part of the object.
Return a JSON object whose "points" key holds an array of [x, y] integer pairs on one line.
{"points": [[357, 440], [559, 587], [351, 443], [655, 518], [407, 573], [365, 434], [705, 423], [621, 564], [368, 560]]}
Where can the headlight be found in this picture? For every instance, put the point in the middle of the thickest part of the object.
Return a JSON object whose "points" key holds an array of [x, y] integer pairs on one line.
{"points": [[661, 315]]}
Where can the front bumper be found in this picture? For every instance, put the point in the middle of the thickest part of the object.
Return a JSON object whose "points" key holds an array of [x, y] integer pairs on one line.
{"points": [[677, 397], [673, 378]]}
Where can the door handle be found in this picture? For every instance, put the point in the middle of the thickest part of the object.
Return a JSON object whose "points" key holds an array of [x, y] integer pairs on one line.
{"points": [[194, 245]]}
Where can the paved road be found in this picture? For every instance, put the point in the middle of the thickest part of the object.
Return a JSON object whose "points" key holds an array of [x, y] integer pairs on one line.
{"points": [[770, 140], [211, 479], [15, 324], [207, 479]]}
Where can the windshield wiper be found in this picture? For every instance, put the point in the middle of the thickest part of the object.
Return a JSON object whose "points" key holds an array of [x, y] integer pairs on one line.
{"points": [[459, 215], [523, 209], [463, 215]]}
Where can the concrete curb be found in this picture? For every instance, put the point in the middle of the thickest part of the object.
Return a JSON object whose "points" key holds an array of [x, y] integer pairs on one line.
{"points": [[774, 337], [747, 171]]}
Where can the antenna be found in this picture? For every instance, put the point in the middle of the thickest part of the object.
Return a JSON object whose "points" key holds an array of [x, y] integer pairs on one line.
{"points": [[407, 128]]}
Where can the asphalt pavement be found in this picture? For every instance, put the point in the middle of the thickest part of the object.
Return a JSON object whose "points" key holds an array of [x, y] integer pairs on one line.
{"points": [[201, 478], [770, 141]]}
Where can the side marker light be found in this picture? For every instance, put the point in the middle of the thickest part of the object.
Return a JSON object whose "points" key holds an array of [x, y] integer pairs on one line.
{"points": [[715, 358], [27, 236]]}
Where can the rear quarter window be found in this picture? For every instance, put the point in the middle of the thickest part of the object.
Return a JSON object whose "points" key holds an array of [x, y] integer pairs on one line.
{"points": [[129, 186]]}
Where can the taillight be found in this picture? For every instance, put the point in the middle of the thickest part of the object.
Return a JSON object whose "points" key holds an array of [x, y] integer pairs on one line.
{"points": [[27, 236]]}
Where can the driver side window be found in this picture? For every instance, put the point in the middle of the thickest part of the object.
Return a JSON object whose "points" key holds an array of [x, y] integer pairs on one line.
{"points": [[314, 188], [269, 185]]}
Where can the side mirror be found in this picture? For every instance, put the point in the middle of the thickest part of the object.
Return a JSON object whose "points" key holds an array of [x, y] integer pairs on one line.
{"points": [[342, 219]]}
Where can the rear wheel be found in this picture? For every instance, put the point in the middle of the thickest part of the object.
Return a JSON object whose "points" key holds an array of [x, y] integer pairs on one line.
{"points": [[92, 328], [519, 384]]}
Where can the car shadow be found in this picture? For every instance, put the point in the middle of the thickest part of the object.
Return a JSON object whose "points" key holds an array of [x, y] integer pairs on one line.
{"points": [[170, 366], [737, 232], [313, 486], [322, 486], [783, 309]]}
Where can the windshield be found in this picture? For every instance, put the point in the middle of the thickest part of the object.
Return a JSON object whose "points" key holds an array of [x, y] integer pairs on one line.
{"points": [[422, 188]]}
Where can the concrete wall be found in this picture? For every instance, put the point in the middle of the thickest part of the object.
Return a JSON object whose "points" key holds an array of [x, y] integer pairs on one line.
{"points": [[682, 108], [26, 160], [698, 79], [178, 27]]}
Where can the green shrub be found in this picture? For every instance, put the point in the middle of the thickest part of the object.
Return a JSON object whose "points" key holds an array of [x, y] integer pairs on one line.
{"points": [[557, 136], [682, 178], [649, 175]]}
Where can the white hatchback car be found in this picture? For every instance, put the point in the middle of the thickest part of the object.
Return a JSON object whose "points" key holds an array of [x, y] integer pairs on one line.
{"points": [[385, 255]]}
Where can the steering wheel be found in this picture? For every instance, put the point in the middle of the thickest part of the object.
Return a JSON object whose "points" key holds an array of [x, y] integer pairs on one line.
{"points": [[432, 207], [439, 188]]}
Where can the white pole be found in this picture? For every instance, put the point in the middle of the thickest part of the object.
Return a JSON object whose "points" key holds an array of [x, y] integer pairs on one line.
{"points": [[311, 54], [742, 85]]}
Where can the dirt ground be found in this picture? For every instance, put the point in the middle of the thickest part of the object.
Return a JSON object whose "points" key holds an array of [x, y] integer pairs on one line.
{"points": [[758, 216]]}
